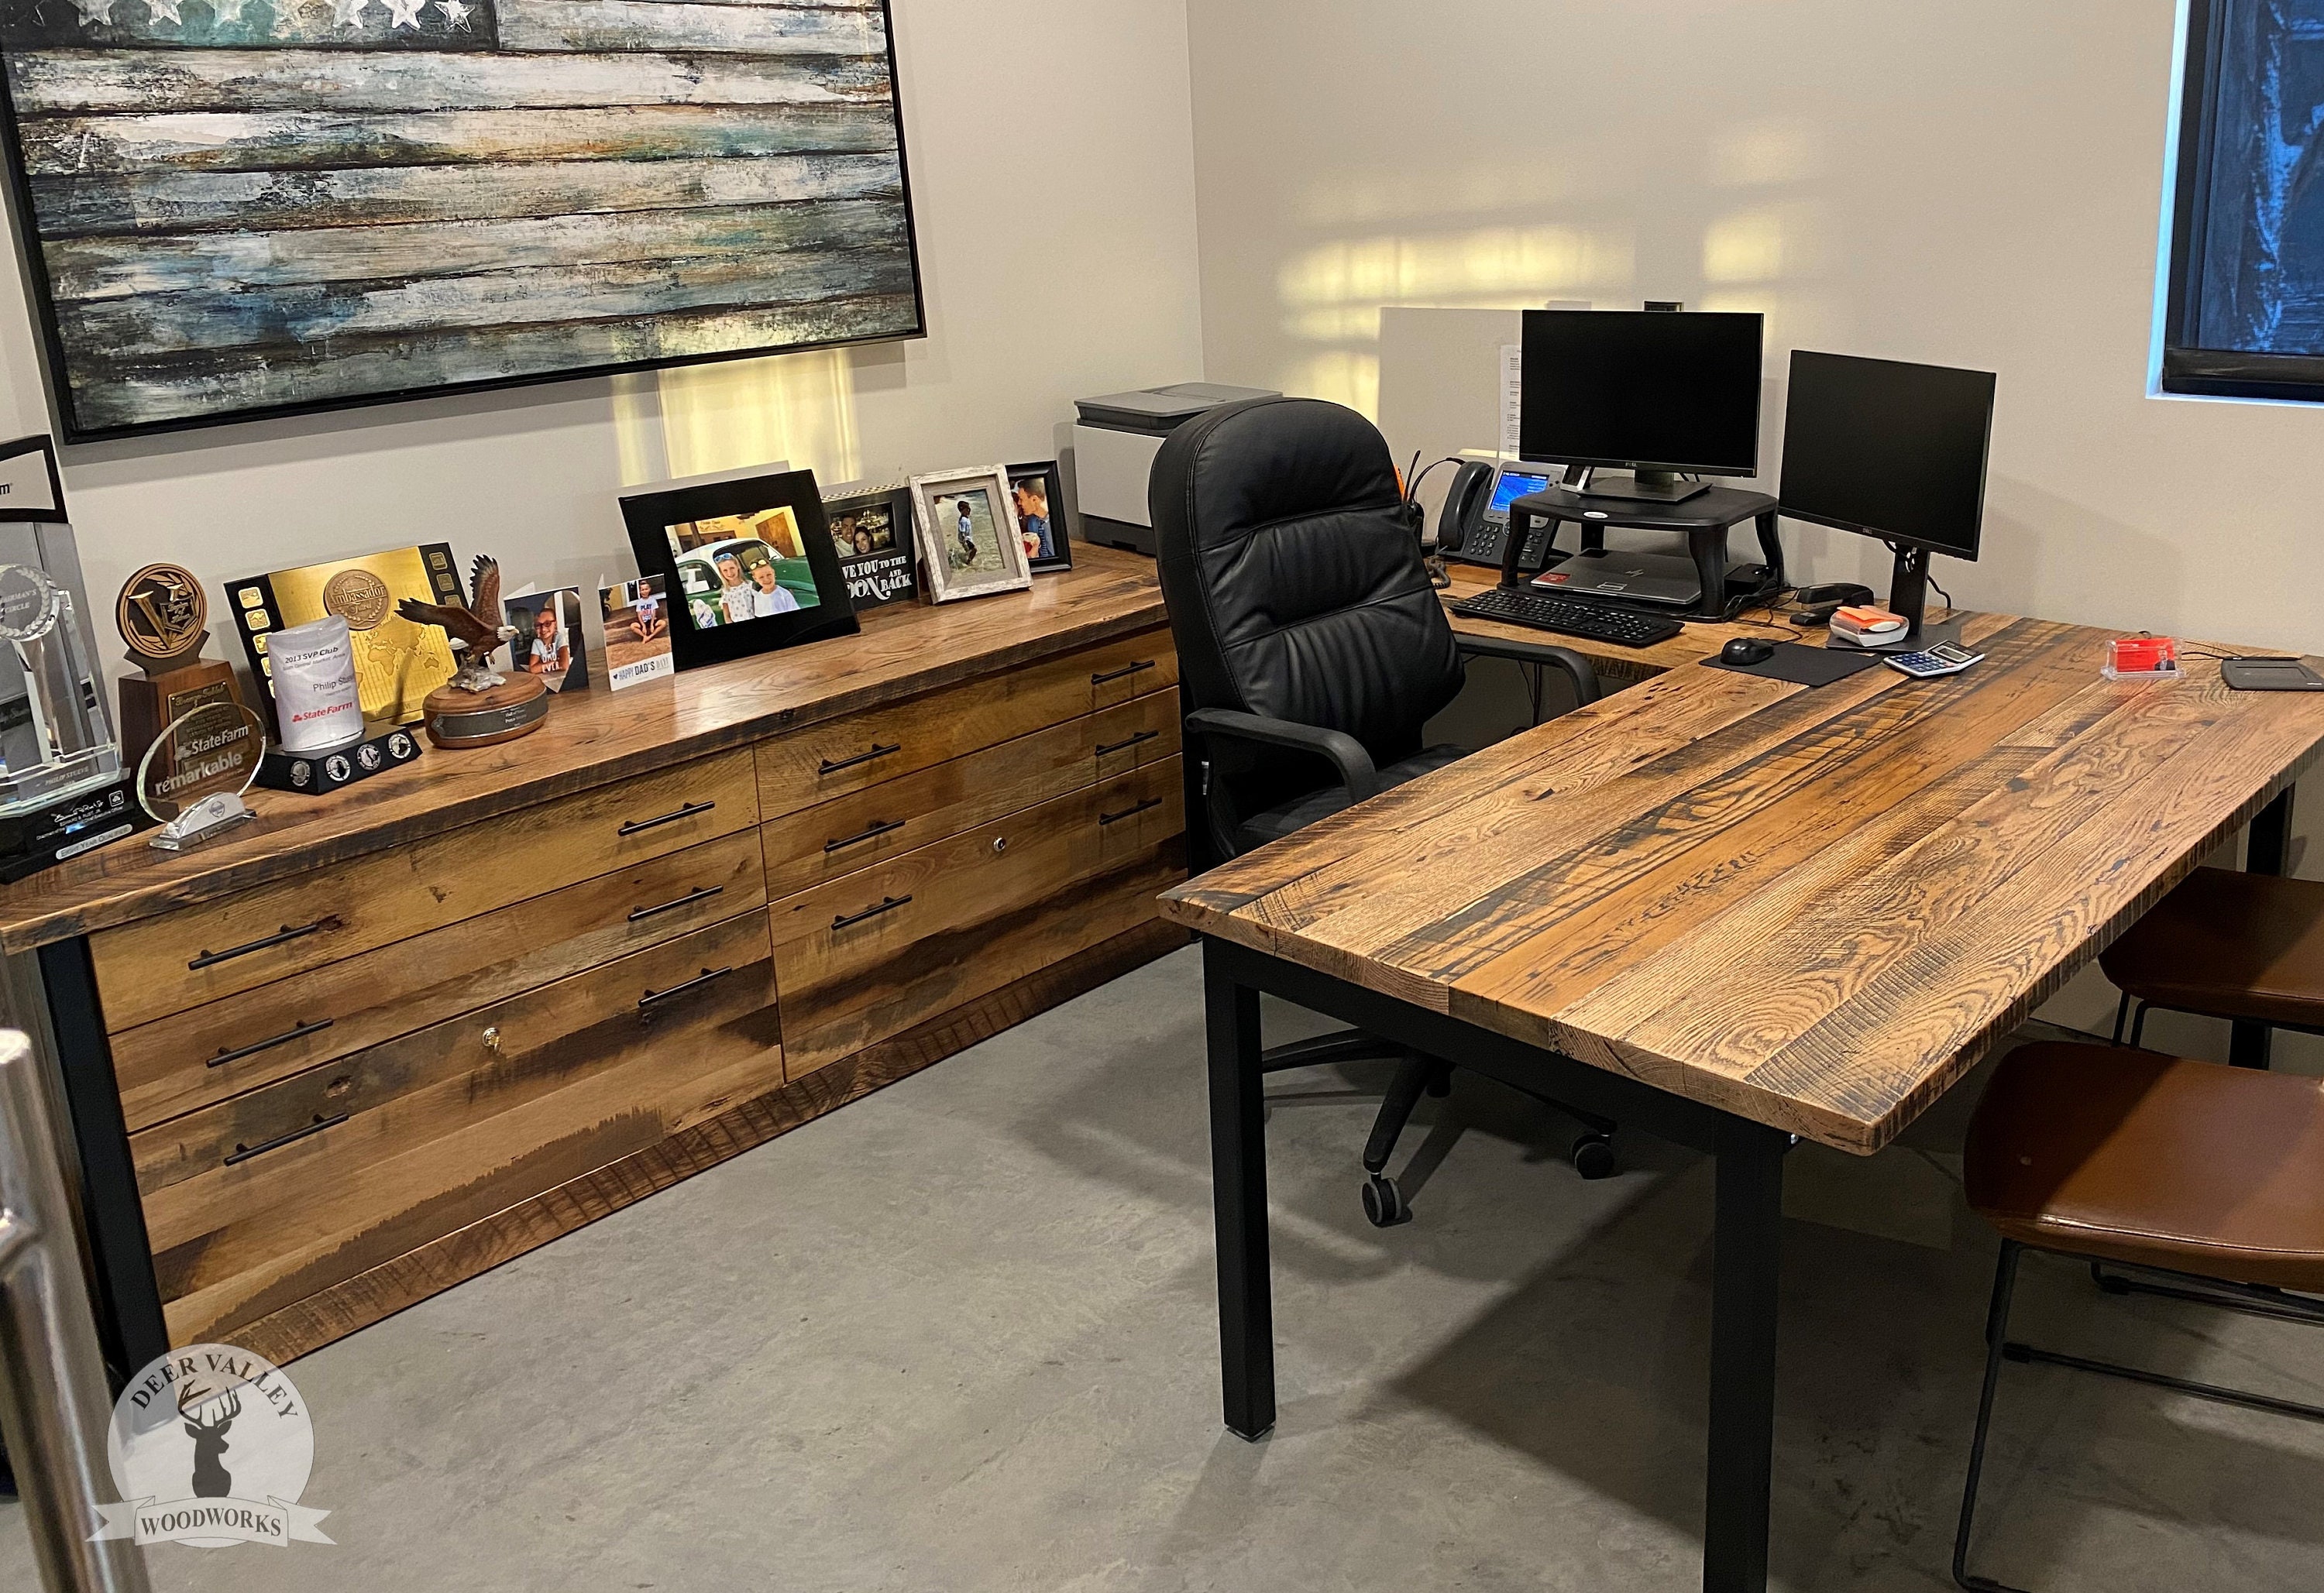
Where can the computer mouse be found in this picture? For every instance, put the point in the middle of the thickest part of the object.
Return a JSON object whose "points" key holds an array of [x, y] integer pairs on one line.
{"points": [[1747, 650]]}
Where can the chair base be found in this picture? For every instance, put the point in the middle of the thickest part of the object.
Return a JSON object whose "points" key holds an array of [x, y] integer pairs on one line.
{"points": [[2253, 1298]]}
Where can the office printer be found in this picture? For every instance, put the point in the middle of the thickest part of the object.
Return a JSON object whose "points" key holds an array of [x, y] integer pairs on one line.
{"points": [[1114, 444]]}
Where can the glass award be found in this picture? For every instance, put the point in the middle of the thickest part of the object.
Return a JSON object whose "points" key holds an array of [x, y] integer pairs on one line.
{"points": [[55, 739], [193, 776]]}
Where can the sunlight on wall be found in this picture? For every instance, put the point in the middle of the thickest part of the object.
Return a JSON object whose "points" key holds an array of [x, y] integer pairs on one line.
{"points": [[799, 407]]}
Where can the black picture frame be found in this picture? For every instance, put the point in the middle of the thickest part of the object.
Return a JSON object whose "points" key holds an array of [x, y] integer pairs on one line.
{"points": [[650, 516], [53, 512], [884, 575], [50, 344], [1061, 554]]}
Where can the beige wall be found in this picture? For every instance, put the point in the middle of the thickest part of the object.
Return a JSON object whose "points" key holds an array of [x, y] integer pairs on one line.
{"points": [[1055, 199], [1975, 183]]}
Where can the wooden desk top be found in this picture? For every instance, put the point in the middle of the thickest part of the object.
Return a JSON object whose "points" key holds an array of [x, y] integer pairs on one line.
{"points": [[1814, 908], [597, 737]]}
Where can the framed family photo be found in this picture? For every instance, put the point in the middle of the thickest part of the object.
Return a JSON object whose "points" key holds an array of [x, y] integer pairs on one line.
{"points": [[970, 543], [1038, 496], [749, 565], [872, 527]]}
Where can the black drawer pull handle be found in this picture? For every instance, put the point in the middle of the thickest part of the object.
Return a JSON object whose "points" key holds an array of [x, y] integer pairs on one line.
{"points": [[209, 959], [1143, 735], [886, 905], [243, 1153], [829, 767], [880, 827], [653, 998], [1125, 671], [686, 811], [1130, 813], [296, 1032], [699, 893]]}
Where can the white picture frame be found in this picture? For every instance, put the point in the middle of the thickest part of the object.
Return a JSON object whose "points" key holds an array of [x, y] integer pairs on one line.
{"points": [[955, 543]]}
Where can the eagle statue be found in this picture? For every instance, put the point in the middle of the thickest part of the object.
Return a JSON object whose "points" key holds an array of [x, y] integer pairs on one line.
{"points": [[475, 631]]}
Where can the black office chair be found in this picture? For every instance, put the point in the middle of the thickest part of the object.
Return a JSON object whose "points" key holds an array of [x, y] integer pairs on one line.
{"points": [[1310, 644]]}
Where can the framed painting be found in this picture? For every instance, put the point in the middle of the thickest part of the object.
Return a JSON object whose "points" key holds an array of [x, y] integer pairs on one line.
{"points": [[234, 208]]}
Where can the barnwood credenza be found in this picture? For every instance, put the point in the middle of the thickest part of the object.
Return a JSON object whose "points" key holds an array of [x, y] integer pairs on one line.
{"points": [[378, 1042]]}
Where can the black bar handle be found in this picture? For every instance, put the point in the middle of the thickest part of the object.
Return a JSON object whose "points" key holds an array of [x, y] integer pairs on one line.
{"points": [[699, 893], [1143, 735], [209, 959], [879, 827], [653, 998], [243, 1153], [886, 905], [1130, 813], [296, 1032], [829, 767], [686, 811], [1122, 673]]}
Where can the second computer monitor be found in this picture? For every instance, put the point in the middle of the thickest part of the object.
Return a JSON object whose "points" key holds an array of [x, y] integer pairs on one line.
{"points": [[1642, 389], [1888, 450]]}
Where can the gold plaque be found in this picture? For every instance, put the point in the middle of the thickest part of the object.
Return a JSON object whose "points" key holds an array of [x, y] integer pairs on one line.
{"points": [[160, 614], [357, 596]]}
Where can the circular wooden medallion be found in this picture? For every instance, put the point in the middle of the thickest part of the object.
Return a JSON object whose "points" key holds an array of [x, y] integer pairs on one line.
{"points": [[161, 612], [357, 596]]}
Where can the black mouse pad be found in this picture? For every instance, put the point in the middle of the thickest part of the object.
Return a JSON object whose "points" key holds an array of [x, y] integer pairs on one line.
{"points": [[1803, 666]]}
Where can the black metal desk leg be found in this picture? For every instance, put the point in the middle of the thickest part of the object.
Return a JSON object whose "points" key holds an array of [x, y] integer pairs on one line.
{"points": [[1239, 1202], [2267, 852], [1748, 1249]]}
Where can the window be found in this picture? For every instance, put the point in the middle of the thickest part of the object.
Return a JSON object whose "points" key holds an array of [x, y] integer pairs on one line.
{"points": [[2243, 317]]}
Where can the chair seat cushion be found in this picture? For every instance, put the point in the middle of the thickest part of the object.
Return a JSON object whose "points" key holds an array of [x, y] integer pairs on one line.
{"points": [[1275, 822], [2103, 1151], [2229, 944]]}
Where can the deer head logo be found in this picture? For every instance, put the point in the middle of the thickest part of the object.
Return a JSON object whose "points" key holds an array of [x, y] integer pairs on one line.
{"points": [[211, 1479]]}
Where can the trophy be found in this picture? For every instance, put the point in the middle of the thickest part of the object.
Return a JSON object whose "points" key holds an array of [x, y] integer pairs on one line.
{"points": [[193, 775], [478, 706], [162, 614]]}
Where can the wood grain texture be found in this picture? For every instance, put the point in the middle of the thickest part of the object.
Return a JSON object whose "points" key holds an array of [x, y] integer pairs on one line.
{"points": [[599, 739], [1815, 909], [147, 971], [387, 1287], [170, 1065]]}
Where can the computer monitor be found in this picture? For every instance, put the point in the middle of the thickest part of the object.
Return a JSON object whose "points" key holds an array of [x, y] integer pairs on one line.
{"points": [[1644, 390], [1892, 451]]}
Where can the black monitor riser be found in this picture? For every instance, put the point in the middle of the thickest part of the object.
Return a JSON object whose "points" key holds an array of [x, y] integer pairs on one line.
{"points": [[1642, 486]]}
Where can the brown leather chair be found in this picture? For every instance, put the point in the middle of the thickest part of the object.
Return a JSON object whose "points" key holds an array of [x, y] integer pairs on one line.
{"points": [[2208, 1181], [2248, 947]]}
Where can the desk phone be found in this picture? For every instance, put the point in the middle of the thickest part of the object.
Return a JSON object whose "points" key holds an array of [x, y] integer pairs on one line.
{"points": [[1478, 507]]}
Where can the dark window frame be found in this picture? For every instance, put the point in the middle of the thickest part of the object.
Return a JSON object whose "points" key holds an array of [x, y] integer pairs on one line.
{"points": [[2187, 368]]}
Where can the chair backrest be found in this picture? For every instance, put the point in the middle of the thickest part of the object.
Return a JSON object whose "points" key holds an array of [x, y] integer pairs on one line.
{"points": [[1294, 578]]}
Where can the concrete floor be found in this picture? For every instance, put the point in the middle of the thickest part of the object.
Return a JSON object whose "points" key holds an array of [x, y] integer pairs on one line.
{"points": [[959, 1337]]}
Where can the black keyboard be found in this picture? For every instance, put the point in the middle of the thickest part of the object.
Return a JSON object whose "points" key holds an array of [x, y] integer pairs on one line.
{"points": [[1564, 615]]}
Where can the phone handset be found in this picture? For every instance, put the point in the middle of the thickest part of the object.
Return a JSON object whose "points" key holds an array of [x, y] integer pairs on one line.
{"points": [[1462, 515]]}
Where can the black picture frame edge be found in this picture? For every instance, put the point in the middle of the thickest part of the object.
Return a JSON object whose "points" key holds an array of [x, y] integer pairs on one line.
{"points": [[898, 500], [22, 222], [46, 445], [1060, 534], [647, 517]]}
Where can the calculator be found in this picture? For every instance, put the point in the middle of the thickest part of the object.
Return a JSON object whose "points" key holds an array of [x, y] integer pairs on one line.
{"points": [[1944, 658]]}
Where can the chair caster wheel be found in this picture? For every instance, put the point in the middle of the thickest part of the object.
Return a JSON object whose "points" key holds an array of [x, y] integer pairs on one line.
{"points": [[1383, 1204], [1593, 1157]]}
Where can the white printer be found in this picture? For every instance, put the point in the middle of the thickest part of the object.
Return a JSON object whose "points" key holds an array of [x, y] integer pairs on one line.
{"points": [[1114, 444]]}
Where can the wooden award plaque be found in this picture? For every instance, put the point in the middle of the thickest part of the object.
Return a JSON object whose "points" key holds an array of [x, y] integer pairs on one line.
{"points": [[161, 615]]}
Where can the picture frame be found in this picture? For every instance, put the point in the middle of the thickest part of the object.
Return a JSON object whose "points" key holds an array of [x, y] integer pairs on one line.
{"points": [[748, 564], [970, 543], [1037, 494], [871, 524]]}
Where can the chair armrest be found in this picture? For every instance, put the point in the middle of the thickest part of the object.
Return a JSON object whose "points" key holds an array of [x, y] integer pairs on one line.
{"points": [[1577, 668], [1341, 750]]}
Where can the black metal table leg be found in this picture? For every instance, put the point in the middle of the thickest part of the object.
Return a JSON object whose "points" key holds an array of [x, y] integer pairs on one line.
{"points": [[1238, 1201], [2267, 852], [1748, 1249]]}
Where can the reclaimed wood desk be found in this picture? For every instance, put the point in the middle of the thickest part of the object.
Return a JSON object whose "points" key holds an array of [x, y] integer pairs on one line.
{"points": [[1730, 911]]}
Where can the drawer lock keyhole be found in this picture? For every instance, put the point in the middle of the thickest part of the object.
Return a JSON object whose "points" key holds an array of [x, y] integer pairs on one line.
{"points": [[1000, 844]]}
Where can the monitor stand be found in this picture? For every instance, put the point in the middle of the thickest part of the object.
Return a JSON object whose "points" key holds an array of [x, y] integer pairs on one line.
{"points": [[1640, 487]]}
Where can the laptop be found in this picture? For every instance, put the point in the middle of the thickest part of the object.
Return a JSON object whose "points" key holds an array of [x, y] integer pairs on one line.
{"points": [[1665, 579]]}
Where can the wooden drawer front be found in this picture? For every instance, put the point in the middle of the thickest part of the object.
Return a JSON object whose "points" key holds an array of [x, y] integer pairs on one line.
{"points": [[265, 1199], [832, 759], [216, 949], [869, 955], [836, 838], [195, 1059]]}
